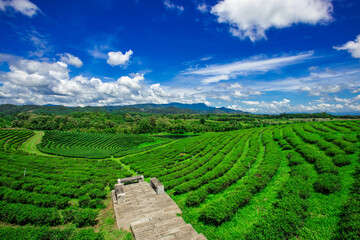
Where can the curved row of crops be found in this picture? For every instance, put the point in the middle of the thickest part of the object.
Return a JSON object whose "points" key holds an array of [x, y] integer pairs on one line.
{"points": [[280, 182], [13, 139], [96, 145], [54, 197], [302, 172]]}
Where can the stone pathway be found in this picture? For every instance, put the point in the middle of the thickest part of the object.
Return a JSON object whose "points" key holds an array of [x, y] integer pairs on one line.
{"points": [[151, 216]]}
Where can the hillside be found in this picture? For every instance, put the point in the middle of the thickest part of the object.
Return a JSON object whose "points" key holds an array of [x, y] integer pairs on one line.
{"points": [[279, 182], [171, 108]]}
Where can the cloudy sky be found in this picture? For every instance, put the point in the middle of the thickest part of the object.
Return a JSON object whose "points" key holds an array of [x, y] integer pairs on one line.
{"points": [[259, 56]]}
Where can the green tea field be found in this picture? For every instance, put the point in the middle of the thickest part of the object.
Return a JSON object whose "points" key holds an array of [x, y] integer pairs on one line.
{"points": [[295, 181], [96, 145]]}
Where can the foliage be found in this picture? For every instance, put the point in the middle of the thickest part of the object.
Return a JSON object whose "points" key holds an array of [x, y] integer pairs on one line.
{"points": [[41, 233], [261, 183], [94, 145], [13, 139]]}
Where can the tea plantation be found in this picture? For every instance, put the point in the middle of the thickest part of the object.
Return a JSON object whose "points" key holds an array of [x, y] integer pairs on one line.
{"points": [[295, 181], [285, 182], [96, 145]]}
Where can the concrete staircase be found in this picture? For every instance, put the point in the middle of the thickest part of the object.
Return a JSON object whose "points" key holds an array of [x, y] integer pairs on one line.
{"points": [[151, 216]]}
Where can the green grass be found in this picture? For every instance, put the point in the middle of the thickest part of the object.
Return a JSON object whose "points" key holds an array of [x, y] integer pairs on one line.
{"points": [[107, 224], [30, 146]]}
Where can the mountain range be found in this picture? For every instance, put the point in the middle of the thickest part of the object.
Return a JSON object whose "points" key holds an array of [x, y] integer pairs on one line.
{"points": [[171, 108]]}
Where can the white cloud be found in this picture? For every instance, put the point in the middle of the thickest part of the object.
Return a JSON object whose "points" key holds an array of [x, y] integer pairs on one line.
{"points": [[251, 102], [343, 100], [206, 58], [251, 18], [233, 86], [41, 82], [203, 7], [239, 94], [23, 6], [97, 52], [353, 47], [38, 41], [321, 89], [226, 71], [71, 60], [356, 90], [133, 83], [276, 107], [118, 58], [321, 83], [170, 5], [215, 79]]}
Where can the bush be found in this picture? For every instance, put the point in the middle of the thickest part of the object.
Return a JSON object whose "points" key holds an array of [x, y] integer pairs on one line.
{"points": [[84, 201], [341, 160], [96, 193], [42, 233], [195, 198], [333, 151], [88, 234], [28, 214], [327, 183], [85, 218], [81, 217]]}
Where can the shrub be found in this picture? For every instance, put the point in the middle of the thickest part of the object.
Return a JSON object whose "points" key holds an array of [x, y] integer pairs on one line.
{"points": [[333, 151], [327, 183], [27, 214], [96, 193], [195, 198], [84, 201], [85, 217], [341, 160], [88, 234]]}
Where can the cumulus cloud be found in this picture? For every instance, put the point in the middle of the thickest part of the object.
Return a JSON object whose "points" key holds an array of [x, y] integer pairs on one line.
{"points": [[218, 72], [251, 18], [118, 58], [322, 89], [353, 47], [71, 60], [41, 82], [170, 5], [276, 107], [23, 6]]}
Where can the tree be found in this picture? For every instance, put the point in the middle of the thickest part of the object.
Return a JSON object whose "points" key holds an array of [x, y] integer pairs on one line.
{"points": [[153, 120]]}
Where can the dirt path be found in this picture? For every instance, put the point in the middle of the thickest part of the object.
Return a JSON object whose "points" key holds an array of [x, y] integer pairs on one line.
{"points": [[30, 145]]}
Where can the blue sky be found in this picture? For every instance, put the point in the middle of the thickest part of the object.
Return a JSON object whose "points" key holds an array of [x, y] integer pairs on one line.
{"points": [[258, 56]]}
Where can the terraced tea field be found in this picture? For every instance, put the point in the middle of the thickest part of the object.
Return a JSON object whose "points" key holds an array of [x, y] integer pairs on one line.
{"points": [[281, 182], [96, 145], [298, 181], [13, 139], [53, 198]]}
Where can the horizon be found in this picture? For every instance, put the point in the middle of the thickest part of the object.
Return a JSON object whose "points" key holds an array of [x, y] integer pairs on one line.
{"points": [[239, 111], [270, 59]]}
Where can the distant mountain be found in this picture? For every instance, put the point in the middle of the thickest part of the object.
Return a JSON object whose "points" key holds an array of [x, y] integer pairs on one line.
{"points": [[9, 109], [171, 108]]}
